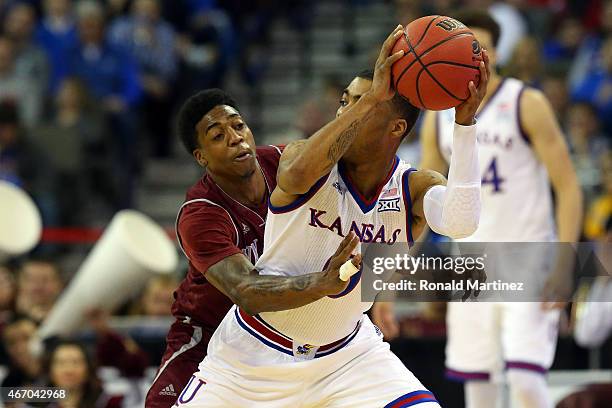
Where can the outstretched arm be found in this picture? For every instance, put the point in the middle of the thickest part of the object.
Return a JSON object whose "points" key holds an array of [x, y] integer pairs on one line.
{"points": [[454, 210], [540, 124], [306, 161], [238, 279]]}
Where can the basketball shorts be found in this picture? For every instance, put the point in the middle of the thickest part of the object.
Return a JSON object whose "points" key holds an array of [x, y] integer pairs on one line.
{"points": [[249, 364]]}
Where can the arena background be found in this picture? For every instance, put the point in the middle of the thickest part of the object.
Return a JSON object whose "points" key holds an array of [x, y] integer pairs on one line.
{"points": [[88, 145]]}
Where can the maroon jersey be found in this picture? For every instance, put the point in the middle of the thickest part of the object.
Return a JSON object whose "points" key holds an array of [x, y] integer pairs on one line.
{"points": [[211, 226]]}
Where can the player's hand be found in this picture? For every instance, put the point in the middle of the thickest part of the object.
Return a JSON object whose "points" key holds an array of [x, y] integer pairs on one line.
{"points": [[382, 89], [331, 282], [383, 316], [466, 111], [559, 285]]}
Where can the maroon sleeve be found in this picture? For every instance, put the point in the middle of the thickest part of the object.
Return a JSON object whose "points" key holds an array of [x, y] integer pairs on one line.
{"points": [[111, 350], [208, 235]]}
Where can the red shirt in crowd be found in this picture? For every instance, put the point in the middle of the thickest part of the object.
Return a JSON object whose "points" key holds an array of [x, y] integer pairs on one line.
{"points": [[211, 226]]}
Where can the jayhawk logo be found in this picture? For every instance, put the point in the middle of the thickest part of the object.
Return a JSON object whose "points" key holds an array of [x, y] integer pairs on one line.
{"points": [[304, 349]]}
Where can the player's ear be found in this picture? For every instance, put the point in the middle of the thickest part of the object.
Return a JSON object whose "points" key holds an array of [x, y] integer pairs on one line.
{"points": [[198, 154], [399, 127]]}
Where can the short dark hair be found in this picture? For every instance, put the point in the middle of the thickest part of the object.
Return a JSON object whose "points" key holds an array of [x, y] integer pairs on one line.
{"points": [[404, 109], [475, 18], [194, 108]]}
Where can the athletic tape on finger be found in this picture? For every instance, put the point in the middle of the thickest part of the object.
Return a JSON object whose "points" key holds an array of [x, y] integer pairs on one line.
{"points": [[347, 270]]}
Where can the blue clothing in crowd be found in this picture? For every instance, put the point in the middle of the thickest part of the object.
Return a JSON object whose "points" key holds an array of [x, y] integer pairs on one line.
{"points": [[106, 71], [57, 42]]}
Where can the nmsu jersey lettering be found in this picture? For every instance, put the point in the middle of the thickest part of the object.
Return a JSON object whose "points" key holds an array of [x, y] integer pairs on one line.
{"points": [[516, 192], [301, 238]]}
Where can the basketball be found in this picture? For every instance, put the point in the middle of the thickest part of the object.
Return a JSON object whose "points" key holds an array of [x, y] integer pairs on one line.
{"points": [[441, 57]]}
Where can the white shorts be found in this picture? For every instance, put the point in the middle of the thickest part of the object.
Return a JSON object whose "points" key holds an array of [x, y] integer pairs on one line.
{"points": [[484, 339], [249, 364]]}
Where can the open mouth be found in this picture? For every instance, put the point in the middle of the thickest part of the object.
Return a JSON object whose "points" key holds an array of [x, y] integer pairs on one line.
{"points": [[243, 156]]}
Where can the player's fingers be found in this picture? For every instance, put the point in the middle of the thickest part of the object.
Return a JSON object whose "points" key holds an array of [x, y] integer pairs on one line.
{"points": [[356, 260], [348, 249], [390, 41], [473, 90], [466, 295], [392, 58], [346, 241]]}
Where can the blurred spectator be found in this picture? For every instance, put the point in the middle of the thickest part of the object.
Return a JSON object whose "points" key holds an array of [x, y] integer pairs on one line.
{"points": [[57, 34], [68, 366], [38, 286], [587, 143], [7, 294], [114, 350], [318, 111], [600, 211], [18, 88], [116, 8], [24, 368], [112, 77], [555, 89], [526, 63], [157, 297], [560, 49], [596, 88], [152, 42], [73, 139], [20, 163], [205, 47], [588, 58], [408, 10], [30, 59]]}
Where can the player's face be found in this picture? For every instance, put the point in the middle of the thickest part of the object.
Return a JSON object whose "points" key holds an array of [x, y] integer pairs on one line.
{"points": [[375, 123], [352, 93], [226, 144], [486, 41]]}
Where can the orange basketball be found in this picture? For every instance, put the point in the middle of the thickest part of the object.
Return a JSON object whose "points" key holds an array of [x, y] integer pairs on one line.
{"points": [[441, 58]]}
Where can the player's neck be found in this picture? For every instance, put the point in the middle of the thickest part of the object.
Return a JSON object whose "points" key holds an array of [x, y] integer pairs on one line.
{"points": [[494, 83], [367, 175], [249, 190]]}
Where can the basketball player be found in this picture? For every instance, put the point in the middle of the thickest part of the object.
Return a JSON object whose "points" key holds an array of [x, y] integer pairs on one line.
{"points": [[522, 153], [219, 227], [326, 352]]}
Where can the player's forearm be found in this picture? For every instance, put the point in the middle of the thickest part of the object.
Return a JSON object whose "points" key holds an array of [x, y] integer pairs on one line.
{"points": [[454, 210], [323, 150], [238, 279], [263, 293], [569, 209]]}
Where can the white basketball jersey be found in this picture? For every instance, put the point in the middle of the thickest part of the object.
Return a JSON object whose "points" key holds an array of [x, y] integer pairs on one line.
{"points": [[301, 238], [516, 192]]}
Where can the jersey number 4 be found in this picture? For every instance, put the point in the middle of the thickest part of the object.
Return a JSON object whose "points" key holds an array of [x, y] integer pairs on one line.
{"points": [[491, 176]]}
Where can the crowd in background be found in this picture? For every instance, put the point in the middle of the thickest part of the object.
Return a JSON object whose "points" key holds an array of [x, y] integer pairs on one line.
{"points": [[89, 89]]}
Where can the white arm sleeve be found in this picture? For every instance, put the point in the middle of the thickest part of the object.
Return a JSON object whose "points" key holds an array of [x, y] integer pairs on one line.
{"points": [[454, 210], [595, 323]]}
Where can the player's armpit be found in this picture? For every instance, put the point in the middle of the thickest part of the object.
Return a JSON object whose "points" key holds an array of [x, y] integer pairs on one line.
{"points": [[431, 157]]}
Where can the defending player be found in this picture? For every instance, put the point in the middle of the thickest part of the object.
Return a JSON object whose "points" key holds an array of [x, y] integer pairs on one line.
{"points": [[522, 152], [220, 227], [327, 353]]}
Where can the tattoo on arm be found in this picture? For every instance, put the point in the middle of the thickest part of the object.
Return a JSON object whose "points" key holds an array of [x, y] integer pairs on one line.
{"points": [[238, 279], [341, 144]]}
